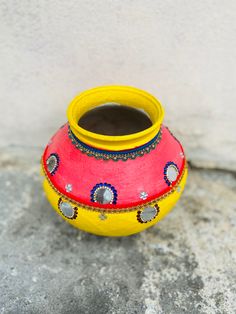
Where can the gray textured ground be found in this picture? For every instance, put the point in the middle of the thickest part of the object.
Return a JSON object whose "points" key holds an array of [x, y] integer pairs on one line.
{"points": [[186, 264]]}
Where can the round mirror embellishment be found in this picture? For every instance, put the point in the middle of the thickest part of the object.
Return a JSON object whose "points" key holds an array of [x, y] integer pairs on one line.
{"points": [[52, 163], [103, 193], [148, 213], [67, 209], [171, 172]]}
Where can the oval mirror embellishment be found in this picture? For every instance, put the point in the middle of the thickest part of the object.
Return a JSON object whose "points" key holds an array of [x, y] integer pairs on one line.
{"points": [[67, 209], [148, 213], [52, 163], [171, 172], [103, 193]]}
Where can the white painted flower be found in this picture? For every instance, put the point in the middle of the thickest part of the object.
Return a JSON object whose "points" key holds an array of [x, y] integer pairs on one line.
{"points": [[143, 195], [68, 187]]}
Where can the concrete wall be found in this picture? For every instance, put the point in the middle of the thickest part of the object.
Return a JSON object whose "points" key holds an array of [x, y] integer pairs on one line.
{"points": [[182, 51]]}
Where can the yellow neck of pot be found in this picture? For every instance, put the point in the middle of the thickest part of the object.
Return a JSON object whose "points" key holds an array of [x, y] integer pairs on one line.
{"points": [[125, 95]]}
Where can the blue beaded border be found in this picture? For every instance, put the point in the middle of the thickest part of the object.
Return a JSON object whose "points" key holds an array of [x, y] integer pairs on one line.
{"points": [[168, 182], [57, 163], [120, 155], [106, 185]]}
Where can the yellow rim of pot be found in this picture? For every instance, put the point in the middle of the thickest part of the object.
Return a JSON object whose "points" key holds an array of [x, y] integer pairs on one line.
{"points": [[124, 95]]}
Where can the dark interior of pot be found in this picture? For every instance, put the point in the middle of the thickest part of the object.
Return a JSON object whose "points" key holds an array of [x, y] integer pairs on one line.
{"points": [[114, 119]]}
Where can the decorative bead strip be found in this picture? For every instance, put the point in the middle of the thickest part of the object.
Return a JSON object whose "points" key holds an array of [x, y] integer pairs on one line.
{"points": [[115, 210], [121, 155]]}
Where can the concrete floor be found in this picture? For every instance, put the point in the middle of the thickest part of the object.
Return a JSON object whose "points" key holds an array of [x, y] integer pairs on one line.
{"points": [[185, 264]]}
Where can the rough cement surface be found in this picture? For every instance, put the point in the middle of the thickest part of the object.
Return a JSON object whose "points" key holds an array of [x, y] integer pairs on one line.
{"points": [[185, 264]]}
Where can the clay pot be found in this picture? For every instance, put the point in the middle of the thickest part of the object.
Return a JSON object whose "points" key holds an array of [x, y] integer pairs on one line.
{"points": [[113, 185]]}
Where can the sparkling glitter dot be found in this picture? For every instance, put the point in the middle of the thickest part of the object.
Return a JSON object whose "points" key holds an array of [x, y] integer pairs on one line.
{"points": [[102, 217], [68, 187], [143, 195]]}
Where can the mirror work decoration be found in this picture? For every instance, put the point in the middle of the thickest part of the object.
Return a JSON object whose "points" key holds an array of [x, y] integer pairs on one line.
{"points": [[114, 169]]}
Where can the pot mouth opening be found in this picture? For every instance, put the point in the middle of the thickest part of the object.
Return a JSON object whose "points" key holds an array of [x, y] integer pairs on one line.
{"points": [[88, 112], [114, 119]]}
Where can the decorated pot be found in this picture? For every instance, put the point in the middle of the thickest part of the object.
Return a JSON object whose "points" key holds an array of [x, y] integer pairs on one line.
{"points": [[113, 178]]}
